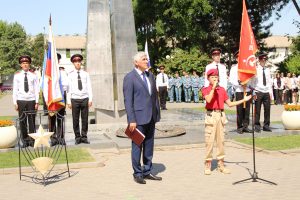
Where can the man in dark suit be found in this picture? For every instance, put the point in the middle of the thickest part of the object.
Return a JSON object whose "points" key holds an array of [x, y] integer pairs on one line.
{"points": [[142, 108]]}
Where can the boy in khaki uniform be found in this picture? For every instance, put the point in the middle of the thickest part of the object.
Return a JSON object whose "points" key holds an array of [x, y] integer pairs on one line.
{"points": [[215, 120]]}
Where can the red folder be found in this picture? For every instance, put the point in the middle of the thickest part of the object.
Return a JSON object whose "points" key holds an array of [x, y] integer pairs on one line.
{"points": [[136, 135]]}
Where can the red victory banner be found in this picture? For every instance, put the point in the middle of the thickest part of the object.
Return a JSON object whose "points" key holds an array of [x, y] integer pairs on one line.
{"points": [[248, 48]]}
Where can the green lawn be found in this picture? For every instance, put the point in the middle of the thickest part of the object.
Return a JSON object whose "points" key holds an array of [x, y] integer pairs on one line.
{"points": [[75, 155], [8, 117], [274, 143]]}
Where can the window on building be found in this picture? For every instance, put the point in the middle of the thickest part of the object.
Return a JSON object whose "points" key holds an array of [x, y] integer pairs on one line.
{"points": [[68, 53]]}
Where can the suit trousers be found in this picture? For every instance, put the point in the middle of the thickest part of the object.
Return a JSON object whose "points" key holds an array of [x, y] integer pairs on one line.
{"points": [[146, 149], [26, 119], [262, 98], [80, 107], [243, 114], [163, 91], [214, 132]]}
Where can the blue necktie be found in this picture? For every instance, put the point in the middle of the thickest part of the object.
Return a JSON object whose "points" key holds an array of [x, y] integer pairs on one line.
{"points": [[145, 80]]}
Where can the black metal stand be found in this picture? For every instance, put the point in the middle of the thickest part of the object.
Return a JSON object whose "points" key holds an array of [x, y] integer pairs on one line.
{"points": [[29, 154], [254, 177]]}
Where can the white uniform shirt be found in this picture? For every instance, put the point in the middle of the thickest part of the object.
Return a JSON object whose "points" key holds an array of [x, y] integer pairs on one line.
{"points": [[234, 79], [74, 92], [276, 84], [222, 74], [159, 80], [18, 87], [64, 80], [258, 81], [294, 82]]}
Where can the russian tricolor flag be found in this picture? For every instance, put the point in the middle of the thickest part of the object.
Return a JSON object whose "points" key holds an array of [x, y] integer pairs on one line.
{"points": [[51, 84]]}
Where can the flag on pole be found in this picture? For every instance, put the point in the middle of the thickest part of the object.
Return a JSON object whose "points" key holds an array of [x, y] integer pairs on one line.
{"points": [[51, 85], [147, 53], [247, 49]]}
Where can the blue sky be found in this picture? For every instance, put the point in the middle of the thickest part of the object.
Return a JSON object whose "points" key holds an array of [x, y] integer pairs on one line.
{"points": [[70, 16]]}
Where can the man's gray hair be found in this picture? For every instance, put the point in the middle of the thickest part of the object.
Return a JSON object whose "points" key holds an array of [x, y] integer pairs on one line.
{"points": [[139, 55]]}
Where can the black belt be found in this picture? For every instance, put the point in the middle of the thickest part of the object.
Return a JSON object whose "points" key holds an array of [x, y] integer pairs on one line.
{"points": [[215, 110]]}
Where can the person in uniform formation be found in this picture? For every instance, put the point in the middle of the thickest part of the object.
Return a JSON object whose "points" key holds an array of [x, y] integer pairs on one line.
{"points": [[216, 57], [171, 88], [162, 84], [263, 93], [187, 86], [142, 108], [278, 84], [178, 89], [195, 86], [56, 121], [26, 99], [243, 110], [79, 99], [215, 119]]}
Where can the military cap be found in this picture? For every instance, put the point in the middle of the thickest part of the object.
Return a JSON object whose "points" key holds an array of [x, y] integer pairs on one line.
{"points": [[212, 72], [24, 59], [58, 56], [215, 51], [262, 55], [76, 57], [162, 67]]}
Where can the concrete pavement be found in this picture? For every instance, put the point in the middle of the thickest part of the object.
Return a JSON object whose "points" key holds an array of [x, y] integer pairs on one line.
{"points": [[182, 170]]}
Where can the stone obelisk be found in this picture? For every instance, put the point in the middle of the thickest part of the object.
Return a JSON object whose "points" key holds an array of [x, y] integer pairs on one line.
{"points": [[111, 44]]}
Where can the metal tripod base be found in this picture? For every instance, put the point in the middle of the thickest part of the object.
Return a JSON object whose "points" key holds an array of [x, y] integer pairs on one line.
{"points": [[254, 178]]}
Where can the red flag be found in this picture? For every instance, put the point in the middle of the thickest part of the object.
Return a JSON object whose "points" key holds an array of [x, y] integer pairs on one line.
{"points": [[248, 48]]}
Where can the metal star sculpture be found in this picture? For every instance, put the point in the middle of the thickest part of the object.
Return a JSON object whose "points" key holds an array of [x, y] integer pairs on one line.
{"points": [[41, 137]]}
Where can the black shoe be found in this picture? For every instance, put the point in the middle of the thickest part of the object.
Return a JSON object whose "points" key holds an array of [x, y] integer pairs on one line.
{"points": [[257, 129], [139, 179], [267, 129], [24, 145], [77, 141], [239, 131], [247, 130], [84, 140], [153, 177]]}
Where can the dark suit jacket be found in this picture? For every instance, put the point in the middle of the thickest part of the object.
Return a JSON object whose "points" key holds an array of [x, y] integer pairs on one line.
{"points": [[139, 104]]}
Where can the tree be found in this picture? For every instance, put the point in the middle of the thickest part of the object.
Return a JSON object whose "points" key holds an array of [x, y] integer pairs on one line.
{"points": [[37, 50], [13, 43], [292, 64]]}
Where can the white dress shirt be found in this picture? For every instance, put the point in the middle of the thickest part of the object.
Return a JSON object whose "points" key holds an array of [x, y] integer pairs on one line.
{"points": [[234, 79], [258, 82], [222, 74], [276, 84], [18, 87], [141, 75], [74, 92], [64, 80], [159, 80]]}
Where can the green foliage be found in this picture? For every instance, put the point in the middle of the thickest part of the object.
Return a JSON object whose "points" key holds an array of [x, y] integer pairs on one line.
{"points": [[180, 60], [37, 50], [201, 24], [13, 43], [292, 64]]}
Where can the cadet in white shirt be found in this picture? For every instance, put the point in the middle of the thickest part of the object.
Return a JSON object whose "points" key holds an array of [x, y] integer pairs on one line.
{"points": [[243, 114], [56, 123], [79, 99], [263, 93], [26, 98], [162, 84], [216, 56]]}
